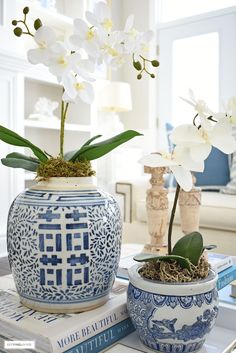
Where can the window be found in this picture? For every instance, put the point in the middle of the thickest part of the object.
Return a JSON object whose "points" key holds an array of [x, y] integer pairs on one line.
{"points": [[195, 63], [200, 54], [176, 9]]}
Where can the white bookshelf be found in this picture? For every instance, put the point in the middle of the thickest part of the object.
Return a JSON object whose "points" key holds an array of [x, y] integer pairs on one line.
{"points": [[55, 125]]}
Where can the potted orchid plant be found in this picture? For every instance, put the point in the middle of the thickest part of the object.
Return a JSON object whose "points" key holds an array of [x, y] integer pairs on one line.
{"points": [[172, 299], [64, 234], [73, 62]]}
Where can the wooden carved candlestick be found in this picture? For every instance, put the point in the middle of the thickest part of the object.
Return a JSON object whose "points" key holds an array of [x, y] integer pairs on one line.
{"points": [[189, 207], [157, 209]]}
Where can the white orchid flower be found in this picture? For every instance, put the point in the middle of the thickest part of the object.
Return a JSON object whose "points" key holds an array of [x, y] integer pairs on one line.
{"points": [[85, 37], [135, 42], [60, 60], [45, 37], [182, 175], [100, 17], [112, 50], [183, 156], [83, 67], [199, 142], [230, 112], [75, 87], [199, 105]]}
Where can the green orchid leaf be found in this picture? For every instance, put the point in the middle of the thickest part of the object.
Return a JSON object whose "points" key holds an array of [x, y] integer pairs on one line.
{"points": [[70, 154], [190, 246], [99, 149], [22, 156], [14, 139], [209, 247], [143, 257], [18, 160], [91, 140]]}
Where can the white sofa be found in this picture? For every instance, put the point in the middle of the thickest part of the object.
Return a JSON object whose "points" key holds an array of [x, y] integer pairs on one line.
{"points": [[217, 216]]}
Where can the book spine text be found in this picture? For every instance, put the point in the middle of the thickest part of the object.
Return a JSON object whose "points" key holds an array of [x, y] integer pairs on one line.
{"points": [[104, 339]]}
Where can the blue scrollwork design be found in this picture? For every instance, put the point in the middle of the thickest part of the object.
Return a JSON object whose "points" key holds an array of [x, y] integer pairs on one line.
{"points": [[64, 246], [158, 331]]}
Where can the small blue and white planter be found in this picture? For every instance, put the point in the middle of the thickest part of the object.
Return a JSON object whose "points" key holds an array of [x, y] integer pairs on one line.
{"points": [[64, 241], [169, 317]]}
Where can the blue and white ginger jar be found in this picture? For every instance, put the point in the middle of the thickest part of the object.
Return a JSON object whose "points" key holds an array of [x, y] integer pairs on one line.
{"points": [[169, 317], [64, 240]]}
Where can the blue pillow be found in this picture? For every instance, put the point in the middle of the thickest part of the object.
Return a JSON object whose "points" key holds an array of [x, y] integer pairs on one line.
{"points": [[169, 129], [216, 173]]}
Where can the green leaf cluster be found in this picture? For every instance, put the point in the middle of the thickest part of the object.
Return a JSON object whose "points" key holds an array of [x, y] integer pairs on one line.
{"points": [[186, 251], [89, 151]]}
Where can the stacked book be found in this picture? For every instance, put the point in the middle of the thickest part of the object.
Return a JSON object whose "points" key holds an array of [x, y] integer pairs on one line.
{"points": [[89, 332], [222, 264]]}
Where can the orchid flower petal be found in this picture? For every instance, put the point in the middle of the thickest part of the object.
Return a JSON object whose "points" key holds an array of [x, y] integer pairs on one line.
{"points": [[81, 27], [129, 23], [87, 93], [37, 56], [187, 101], [199, 152], [183, 155], [91, 18], [156, 160], [45, 36], [206, 124], [224, 143], [184, 134], [191, 95], [221, 137], [183, 177]]}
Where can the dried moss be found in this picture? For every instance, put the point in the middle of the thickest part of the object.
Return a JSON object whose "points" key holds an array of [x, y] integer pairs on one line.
{"points": [[58, 167], [171, 271]]}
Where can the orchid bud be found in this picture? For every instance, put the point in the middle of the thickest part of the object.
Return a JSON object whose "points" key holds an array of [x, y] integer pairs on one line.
{"points": [[139, 76], [25, 10], [14, 22], [152, 76], [17, 31], [37, 24], [155, 63], [137, 65]]}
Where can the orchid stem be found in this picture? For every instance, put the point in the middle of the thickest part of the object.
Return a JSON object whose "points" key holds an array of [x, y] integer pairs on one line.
{"points": [[172, 216], [194, 119], [64, 109]]}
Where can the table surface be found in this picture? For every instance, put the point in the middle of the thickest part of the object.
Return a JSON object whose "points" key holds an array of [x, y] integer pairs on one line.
{"points": [[217, 341]]}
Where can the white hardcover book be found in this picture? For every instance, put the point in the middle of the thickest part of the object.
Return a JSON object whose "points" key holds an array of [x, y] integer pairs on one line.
{"points": [[58, 332], [219, 262], [128, 251]]}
